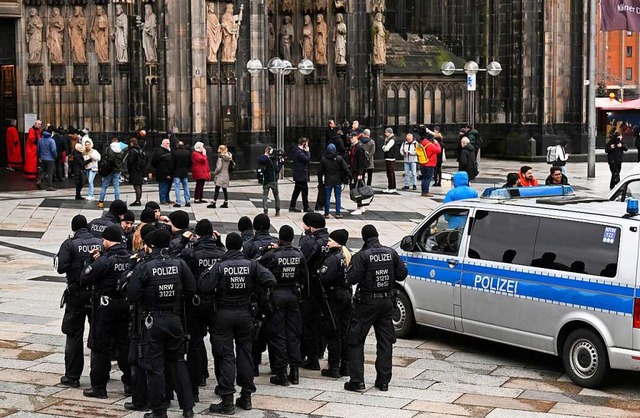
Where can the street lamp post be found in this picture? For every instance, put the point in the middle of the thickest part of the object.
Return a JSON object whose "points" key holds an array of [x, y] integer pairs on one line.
{"points": [[471, 68], [280, 68]]}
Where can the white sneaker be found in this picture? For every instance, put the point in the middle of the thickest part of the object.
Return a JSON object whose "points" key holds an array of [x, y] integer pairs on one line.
{"points": [[386, 191], [357, 212], [393, 191], [89, 198]]}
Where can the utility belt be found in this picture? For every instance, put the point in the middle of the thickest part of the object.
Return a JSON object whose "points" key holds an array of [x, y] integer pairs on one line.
{"points": [[149, 315], [363, 295], [105, 299], [232, 304], [73, 290]]}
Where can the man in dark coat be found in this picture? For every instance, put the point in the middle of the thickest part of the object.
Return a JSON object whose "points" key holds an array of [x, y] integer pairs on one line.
{"points": [[467, 161], [161, 162], [331, 172], [181, 163], [136, 167], [301, 158], [357, 165], [615, 150]]}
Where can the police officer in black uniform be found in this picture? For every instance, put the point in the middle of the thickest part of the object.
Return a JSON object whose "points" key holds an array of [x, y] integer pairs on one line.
{"points": [[114, 216], [160, 283], [284, 325], [110, 313], [233, 280], [337, 303], [312, 245], [128, 228], [245, 228], [206, 250], [74, 253], [375, 269], [179, 222]]}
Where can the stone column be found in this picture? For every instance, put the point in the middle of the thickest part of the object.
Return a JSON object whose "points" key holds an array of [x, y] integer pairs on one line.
{"points": [[199, 71], [358, 49]]}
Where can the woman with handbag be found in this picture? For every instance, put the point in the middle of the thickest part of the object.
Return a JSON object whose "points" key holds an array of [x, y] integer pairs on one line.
{"points": [[221, 176], [200, 170], [357, 166]]}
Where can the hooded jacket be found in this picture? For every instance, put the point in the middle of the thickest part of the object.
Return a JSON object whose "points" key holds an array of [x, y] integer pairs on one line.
{"points": [[221, 172], [47, 147], [461, 189], [467, 161], [332, 168], [116, 156], [91, 157]]}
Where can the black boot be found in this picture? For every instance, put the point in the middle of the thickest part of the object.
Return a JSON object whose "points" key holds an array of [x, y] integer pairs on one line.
{"points": [[130, 406], [224, 407], [212, 205], [294, 375], [157, 413], [279, 379], [310, 364], [225, 204], [344, 369], [332, 371], [187, 413], [244, 401], [93, 392]]}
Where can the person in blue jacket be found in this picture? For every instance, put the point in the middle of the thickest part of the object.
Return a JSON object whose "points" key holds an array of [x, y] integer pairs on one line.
{"points": [[461, 190]]}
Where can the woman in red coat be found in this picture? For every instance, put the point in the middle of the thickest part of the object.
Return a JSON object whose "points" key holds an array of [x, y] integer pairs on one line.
{"points": [[200, 170], [31, 151], [14, 149]]}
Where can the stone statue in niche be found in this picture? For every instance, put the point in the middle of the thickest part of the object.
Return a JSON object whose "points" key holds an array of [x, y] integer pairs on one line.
{"points": [[100, 35], [120, 37], [340, 40], [286, 38], [307, 38], [307, 7], [340, 4], [150, 35], [321, 5], [286, 6], [34, 36], [230, 31], [321, 41], [214, 33], [378, 6], [55, 37], [379, 41], [78, 35], [272, 40]]}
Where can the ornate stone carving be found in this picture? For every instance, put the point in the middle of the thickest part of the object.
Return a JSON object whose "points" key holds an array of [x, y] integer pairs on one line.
{"points": [[104, 74], [378, 6], [286, 6], [270, 7], [78, 35], [80, 74], [272, 40], [214, 33], [124, 69], [307, 7], [321, 41], [58, 75], [379, 41], [121, 35], [150, 35], [307, 38], [340, 4], [56, 2], [321, 6], [340, 40], [55, 37], [228, 73], [212, 74], [34, 76], [100, 35], [230, 31], [33, 2], [286, 38], [34, 36], [78, 2]]}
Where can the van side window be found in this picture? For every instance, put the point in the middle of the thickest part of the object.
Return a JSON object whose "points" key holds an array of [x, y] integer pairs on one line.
{"points": [[632, 190], [443, 233], [503, 237], [579, 247]]}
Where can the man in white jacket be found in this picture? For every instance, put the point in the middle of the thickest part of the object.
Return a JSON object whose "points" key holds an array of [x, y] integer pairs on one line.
{"points": [[408, 152], [390, 160]]}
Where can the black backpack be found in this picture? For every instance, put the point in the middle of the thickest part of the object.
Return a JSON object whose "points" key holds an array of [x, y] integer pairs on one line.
{"points": [[105, 165], [142, 161]]}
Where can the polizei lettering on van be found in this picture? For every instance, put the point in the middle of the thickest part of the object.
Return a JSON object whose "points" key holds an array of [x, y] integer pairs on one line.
{"points": [[497, 284], [164, 271], [377, 258]]}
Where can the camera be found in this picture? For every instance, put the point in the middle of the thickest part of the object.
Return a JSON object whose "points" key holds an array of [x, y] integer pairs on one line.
{"points": [[423, 132], [277, 154]]}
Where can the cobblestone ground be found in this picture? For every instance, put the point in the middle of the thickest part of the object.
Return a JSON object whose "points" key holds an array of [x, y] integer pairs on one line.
{"points": [[435, 374]]}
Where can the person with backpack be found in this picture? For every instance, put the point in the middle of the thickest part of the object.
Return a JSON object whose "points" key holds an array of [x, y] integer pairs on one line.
{"points": [[221, 176], [270, 164], [112, 167], [410, 159], [467, 161], [136, 166], [557, 156], [428, 158]]}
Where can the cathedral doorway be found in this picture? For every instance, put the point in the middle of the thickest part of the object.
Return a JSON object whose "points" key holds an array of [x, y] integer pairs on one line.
{"points": [[8, 93]]}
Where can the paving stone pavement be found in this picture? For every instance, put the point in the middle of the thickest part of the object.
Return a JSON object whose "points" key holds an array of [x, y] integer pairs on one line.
{"points": [[436, 374]]}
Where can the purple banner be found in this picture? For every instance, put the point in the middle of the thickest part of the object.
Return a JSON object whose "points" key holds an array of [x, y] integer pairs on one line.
{"points": [[620, 15]]}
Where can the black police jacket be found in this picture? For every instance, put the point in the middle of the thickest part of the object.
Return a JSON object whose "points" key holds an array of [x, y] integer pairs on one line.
{"points": [[160, 282], [287, 264], [247, 236], [103, 274], [312, 247], [179, 242], [332, 270], [98, 225], [74, 253], [375, 268], [257, 245], [234, 279], [202, 255]]}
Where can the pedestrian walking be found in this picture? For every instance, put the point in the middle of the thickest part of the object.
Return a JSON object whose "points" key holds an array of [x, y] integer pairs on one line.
{"points": [[90, 157], [47, 156], [336, 305], [31, 151], [221, 177], [431, 149], [615, 149], [332, 173], [14, 149], [137, 168], [389, 149], [375, 269], [562, 156], [114, 157], [181, 165], [200, 171], [77, 167], [357, 167], [271, 164], [467, 160], [110, 313], [162, 164], [74, 252], [301, 157], [233, 280], [284, 325], [369, 147], [160, 283], [410, 160]]}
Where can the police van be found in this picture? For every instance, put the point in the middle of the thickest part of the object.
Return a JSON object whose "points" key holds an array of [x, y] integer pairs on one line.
{"points": [[556, 275], [628, 187]]}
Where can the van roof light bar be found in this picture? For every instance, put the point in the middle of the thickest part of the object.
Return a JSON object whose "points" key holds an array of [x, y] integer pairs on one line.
{"points": [[507, 193]]}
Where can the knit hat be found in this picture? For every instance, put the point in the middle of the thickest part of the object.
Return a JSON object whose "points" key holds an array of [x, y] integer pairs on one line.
{"points": [[204, 228], [179, 219], [112, 233], [316, 220], [129, 217], [118, 207], [244, 224], [286, 233], [341, 236], [78, 222], [152, 205], [261, 222], [233, 241], [160, 238], [148, 216], [389, 130], [369, 231], [331, 148], [305, 218], [145, 233]]}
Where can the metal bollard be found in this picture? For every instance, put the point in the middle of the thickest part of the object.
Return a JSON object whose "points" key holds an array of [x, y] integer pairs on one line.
{"points": [[532, 145]]}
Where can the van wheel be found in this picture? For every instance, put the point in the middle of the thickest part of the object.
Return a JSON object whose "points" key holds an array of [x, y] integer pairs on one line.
{"points": [[585, 358], [403, 319]]}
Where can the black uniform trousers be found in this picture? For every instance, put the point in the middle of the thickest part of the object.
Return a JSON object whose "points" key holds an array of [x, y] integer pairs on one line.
{"points": [[229, 325], [340, 304], [376, 313], [110, 329], [311, 320], [163, 345], [615, 167], [76, 313], [198, 321], [284, 327]]}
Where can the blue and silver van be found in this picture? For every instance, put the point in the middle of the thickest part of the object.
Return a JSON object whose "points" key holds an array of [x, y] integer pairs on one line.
{"points": [[556, 275]]}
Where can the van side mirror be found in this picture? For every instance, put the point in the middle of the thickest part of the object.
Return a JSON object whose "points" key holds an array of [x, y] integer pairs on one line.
{"points": [[408, 243]]}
